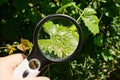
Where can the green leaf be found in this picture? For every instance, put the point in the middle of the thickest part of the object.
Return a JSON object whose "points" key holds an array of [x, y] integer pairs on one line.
{"points": [[92, 23], [89, 11], [50, 30], [91, 20], [63, 41]]}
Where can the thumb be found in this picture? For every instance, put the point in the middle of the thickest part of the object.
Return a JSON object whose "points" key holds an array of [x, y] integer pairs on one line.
{"points": [[14, 59]]}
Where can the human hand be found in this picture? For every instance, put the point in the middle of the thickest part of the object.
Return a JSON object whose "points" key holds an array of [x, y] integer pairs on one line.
{"points": [[9, 63]]}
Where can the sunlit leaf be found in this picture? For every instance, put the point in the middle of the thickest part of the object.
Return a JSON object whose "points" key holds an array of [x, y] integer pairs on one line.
{"points": [[91, 20], [89, 11], [63, 41]]}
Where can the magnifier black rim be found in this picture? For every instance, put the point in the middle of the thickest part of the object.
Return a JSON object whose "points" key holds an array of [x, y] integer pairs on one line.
{"points": [[41, 22]]}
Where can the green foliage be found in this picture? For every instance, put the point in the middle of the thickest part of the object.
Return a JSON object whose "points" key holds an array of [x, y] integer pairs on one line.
{"points": [[87, 15], [90, 20], [99, 58], [63, 41]]}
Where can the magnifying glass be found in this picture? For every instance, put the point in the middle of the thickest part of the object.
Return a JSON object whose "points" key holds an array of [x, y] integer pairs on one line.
{"points": [[57, 38]]}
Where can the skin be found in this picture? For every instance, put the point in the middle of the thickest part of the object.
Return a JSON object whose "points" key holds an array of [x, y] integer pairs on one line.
{"points": [[9, 63]]}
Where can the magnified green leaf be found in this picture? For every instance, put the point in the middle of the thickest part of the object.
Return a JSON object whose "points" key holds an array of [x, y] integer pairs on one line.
{"points": [[63, 40]]}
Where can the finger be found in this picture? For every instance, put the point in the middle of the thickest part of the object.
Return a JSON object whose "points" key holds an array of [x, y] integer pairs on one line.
{"points": [[13, 60], [39, 78]]}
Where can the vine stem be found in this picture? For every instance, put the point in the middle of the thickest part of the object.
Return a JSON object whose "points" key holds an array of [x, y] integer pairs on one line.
{"points": [[45, 72], [80, 16], [8, 46], [83, 10], [3, 47], [80, 11]]}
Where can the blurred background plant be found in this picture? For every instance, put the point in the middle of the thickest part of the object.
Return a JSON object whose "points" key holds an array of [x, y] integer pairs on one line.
{"points": [[99, 58]]}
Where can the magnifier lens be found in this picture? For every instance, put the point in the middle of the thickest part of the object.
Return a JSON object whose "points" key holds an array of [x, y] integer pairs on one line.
{"points": [[58, 38]]}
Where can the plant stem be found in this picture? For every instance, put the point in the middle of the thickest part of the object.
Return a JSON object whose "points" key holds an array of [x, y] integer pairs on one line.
{"points": [[80, 16]]}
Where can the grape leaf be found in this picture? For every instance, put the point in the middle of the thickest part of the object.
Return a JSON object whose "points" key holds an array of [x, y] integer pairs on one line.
{"points": [[63, 41], [89, 11], [91, 20]]}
